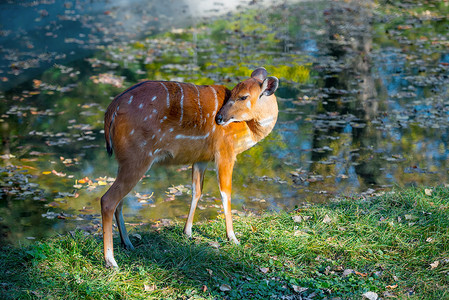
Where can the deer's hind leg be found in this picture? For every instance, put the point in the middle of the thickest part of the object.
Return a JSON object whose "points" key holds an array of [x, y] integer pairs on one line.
{"points": [[130, 171]]}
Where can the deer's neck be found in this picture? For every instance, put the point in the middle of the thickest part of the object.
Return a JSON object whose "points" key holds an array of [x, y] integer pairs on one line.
{"points": [[264, 122]]}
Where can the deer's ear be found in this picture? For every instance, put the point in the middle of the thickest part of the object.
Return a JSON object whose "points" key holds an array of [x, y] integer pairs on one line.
{"points": [[269, 86], [259, 74]]}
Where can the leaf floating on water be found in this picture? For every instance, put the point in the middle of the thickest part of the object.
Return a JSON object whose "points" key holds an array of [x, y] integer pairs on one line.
{"points": [[59, 174]]}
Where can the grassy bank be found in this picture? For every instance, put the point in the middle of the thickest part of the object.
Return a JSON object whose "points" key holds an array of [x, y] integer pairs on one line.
{"points": [[396, 244]]}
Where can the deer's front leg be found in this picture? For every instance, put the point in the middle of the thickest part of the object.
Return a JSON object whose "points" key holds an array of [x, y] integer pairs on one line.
{"points": [[224, 172], [198, 170]]}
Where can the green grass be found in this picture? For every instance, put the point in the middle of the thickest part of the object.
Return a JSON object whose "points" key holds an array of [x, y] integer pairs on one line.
{"points": [[390, 241]]}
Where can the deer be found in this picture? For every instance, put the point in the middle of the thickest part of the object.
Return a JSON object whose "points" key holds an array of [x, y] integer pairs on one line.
{"points": [[168, 122]]}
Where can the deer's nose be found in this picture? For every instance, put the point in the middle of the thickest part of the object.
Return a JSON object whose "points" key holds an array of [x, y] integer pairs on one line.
{"points": [[219, 119]]}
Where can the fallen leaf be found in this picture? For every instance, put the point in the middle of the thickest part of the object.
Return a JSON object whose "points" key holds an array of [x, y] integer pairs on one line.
{"points": [[210, 272], [428, 192], [370, 296], [299, 289], [137, 236], [348, 272], [299, 233], [148, 288], [225, 287], [264, 270], [410, 217], [361, 274], [434, 264], [297, 219], [326, 219], [391, 286], [204, 288], [59, 174]]}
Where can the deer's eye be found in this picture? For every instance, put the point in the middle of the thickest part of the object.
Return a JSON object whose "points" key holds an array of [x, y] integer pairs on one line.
{"points": [[243, 98]]}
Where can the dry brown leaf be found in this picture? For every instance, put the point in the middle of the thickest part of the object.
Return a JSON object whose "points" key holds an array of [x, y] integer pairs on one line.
{"points": [[361, 274], [391, 286]]}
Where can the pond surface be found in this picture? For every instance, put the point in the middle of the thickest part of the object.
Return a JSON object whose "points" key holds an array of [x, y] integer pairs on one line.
{"points": [[364, 108]]}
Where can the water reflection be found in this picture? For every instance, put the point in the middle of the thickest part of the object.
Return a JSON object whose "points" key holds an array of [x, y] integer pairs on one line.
{"points": [[363, 107]]}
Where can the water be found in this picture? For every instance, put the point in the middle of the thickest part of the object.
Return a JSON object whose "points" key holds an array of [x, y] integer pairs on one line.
{"points": [[363, 108]]}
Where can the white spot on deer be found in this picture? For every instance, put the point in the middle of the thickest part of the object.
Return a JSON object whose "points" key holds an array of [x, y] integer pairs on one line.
{"points": [[159, 130], [130, 100], [153, 136], [216, 100], [154, 111], [171, 130], [192, 137], [118, 106], [157, 151], [208, 115], [146, 118], [181, 102], [140, 105], [248, 104], [132, 132], [150, 153], [143, 144], [168, 94], [213, 129], [154, 98]]}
